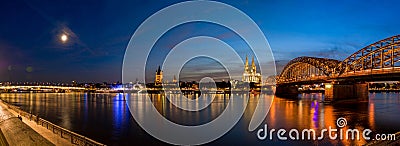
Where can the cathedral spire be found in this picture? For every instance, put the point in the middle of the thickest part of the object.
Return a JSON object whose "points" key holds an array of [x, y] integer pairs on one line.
{"points": [[159, 76], [174, 80], [158, 70], [253, 65], [246, 65], [251, 75]]}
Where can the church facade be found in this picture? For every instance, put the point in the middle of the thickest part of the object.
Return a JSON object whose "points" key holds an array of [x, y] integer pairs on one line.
{"points": [[250, 74], [159, 76]]}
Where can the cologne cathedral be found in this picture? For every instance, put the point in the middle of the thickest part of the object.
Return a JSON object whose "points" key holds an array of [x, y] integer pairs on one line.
{"points": [[250, 74]]}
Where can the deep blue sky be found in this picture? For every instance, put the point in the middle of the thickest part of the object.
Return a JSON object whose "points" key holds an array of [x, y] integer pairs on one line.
{"points": [[99, 31]]}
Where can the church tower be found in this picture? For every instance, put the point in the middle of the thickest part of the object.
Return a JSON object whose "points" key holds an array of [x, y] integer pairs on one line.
{"points": [[246, 65], [251, 75], [159, 76], [253, 66], [174, 80]]}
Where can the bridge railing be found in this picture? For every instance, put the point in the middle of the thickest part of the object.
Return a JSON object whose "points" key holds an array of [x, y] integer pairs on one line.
{"points": [[372, 72], [74, 138], [293, 80]]}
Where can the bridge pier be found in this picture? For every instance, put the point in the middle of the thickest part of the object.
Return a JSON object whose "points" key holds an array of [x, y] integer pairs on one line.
{"points": [[287, 91], [334, 91]]}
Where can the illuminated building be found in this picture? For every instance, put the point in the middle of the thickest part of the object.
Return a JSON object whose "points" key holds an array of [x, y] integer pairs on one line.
{"points": [[174, 80], [251, 75], [159, 76]]}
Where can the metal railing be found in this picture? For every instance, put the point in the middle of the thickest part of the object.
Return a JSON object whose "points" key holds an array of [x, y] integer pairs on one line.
{"points": [[73, 137]]}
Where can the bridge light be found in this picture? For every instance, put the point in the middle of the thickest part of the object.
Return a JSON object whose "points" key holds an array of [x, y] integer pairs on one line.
{"points": [[328, 86]]}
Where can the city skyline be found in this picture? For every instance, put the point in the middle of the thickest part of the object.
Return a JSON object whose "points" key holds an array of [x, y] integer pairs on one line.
{"points": [[199, 72], [33, 48]]}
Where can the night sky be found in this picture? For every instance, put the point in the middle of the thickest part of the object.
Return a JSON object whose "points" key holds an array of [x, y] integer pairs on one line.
{"points": [[98, 33]]}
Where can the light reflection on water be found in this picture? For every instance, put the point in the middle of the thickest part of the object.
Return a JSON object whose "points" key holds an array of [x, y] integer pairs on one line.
{"points": [[106, 117]]}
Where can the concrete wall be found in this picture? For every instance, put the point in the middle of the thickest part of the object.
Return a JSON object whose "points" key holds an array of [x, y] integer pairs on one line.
{"points": [[361, 91], [348, 91], [287, 91]]}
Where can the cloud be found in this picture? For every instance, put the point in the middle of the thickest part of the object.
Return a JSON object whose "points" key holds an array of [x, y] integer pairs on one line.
{"points": [[280, 64], [338, 53]]}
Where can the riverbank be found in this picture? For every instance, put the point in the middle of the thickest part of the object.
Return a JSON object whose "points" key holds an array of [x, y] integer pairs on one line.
{"points": [[55, 134], [15, 132]]}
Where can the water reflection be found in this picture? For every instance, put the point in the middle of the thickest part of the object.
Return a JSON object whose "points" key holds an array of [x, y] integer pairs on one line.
{"points": [[106, 117]]}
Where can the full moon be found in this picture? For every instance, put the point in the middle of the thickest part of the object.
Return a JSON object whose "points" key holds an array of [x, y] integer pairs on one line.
{"points": [[64, 37]]}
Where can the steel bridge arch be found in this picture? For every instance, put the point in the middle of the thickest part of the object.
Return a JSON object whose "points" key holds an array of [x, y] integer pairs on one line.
{"points": [[382, 54], [305, 68]]}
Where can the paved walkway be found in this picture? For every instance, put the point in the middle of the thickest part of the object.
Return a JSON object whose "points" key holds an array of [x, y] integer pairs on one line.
{"points": [[48, 134]]}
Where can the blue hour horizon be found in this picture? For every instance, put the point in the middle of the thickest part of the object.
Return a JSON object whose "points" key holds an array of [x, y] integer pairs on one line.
{"points": [[97, 35]]}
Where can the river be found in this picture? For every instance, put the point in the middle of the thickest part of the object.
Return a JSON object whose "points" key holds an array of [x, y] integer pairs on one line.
{"points": [[105, 117]]}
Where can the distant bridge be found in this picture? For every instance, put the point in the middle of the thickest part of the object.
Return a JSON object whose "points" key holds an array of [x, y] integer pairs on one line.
{"points": [[379, 61], [39, 87]]}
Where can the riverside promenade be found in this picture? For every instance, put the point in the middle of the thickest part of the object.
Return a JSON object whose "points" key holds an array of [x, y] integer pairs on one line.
{"points": [[54, 134], [15, 132]]}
